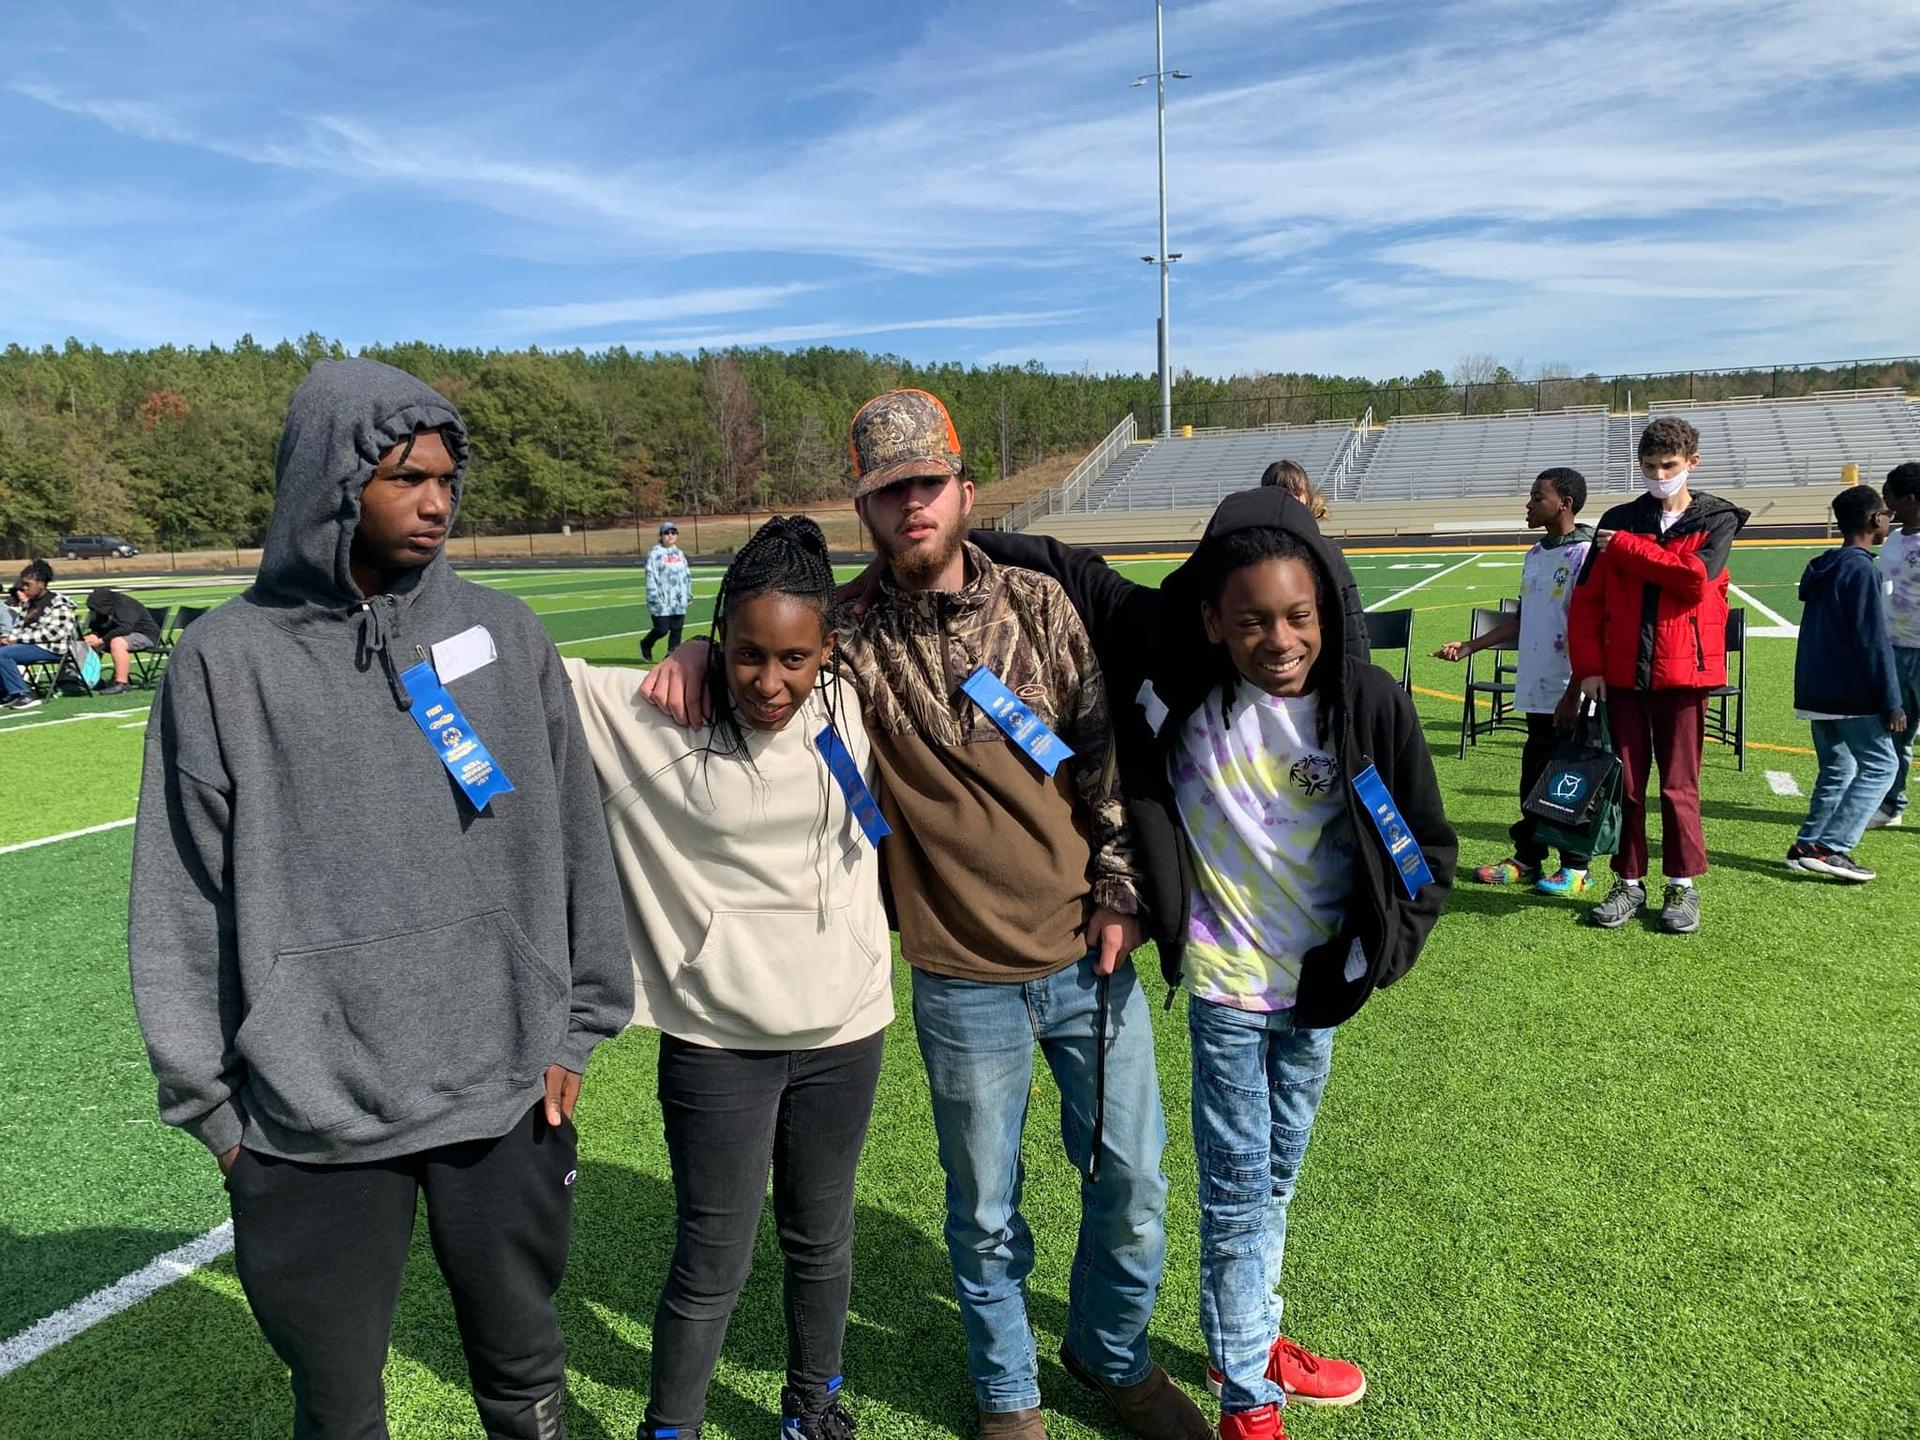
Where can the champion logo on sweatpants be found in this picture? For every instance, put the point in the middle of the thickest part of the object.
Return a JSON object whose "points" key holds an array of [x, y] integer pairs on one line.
{"points": [[572, 1175]]}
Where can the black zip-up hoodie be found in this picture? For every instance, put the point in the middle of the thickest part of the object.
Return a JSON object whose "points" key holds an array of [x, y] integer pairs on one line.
{"points": [[1147, 636]]}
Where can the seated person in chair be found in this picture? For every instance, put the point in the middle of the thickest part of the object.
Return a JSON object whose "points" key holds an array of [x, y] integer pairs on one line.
{"points": [[119, 625]]}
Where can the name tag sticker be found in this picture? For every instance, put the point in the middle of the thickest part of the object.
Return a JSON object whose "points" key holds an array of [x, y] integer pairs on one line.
{"points": [[1402, 849], [1148, 699], [1013, 716], [463, 753], [840, 764], [463, 654]]}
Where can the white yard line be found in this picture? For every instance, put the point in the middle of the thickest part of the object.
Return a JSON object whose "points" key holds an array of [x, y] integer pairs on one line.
{"points": [[72, 719], [1781, 628], [1781, 783], [37, 1339], [69, 835], [1425, 581]]}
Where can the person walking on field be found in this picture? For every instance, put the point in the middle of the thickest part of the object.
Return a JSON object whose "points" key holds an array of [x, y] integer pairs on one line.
{"points": [[376, 930], [669, 591], [1845, 681], [1647, 634], [1015, 888]]}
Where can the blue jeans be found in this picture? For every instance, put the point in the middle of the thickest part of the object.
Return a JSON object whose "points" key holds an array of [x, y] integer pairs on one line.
{"points": [[12, 682], [1906, 663], [977, 1041], [1856, 763], [1257, 1083]]}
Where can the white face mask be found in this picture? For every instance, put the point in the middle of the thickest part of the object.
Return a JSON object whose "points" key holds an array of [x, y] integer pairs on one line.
{"points": [[1666, 489]]}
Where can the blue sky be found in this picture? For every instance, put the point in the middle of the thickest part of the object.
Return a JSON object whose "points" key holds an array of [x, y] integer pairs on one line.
{"points": [[1368, 188]]}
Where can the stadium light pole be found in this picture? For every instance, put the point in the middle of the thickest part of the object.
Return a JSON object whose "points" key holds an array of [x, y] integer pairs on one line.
{"points": [[1160, 77]]}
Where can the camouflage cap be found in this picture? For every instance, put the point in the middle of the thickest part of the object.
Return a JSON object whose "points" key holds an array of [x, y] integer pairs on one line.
{"points": [[900, 435]]}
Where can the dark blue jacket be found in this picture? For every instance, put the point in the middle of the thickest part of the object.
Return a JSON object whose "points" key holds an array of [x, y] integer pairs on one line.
{"points": [[1844, 662]]}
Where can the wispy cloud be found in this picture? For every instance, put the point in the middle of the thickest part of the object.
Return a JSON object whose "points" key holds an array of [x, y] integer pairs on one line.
{"points": [[1352, 181], [576, 315]]}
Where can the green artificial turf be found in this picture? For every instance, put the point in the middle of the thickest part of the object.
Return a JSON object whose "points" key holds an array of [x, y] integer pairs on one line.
{"points": [[1565, 1183]]}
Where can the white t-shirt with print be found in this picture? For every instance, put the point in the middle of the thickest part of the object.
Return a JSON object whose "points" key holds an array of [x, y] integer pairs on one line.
{"points": [[1264, 807], [1547, 578], [1900, 570]]}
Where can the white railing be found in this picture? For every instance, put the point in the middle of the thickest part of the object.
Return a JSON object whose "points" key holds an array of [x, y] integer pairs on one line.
{"points": [[1349, 452], [1074, 487]]}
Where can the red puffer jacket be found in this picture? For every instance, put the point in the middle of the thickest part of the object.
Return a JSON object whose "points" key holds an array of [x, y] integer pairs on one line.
{"points": [[1650, 611]]}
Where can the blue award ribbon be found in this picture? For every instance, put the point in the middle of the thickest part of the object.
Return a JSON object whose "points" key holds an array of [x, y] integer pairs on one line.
{"points": [[1012, 714], [860, 801], [1401, 846], [467, 759]]}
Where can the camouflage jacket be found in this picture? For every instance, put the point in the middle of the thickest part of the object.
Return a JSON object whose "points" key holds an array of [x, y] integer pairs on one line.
{"points": [[908, 657]]}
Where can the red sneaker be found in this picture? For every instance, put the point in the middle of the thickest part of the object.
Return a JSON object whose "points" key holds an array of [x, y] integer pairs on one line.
{"points": [[1307, 1378], [1262, 1424], [1314, 1379]]}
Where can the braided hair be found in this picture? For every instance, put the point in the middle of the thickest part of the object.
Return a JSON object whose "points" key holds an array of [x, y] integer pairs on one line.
{"points": [[1217, 558], [786, 556]]}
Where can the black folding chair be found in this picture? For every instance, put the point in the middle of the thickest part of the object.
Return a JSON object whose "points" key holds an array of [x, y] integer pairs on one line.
{"points": [[147, 663], [1727, 704], [1498, 689], [1393, 630]]}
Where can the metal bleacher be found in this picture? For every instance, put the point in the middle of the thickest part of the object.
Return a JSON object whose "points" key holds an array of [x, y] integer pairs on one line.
{"points": [[1202, 469], [1756, 441], [1428, 456], [1466, 473]]}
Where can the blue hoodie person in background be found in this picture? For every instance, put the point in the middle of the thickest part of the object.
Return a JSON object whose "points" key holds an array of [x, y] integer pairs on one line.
{"points": [[375, 925], [1844, 681]]}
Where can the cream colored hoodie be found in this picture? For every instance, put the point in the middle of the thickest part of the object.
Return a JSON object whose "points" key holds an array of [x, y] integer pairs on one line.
{"points": [[753, 926]]}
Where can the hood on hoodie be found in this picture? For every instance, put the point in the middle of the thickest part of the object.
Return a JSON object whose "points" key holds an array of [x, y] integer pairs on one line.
{"points": [[1823, 571], [1342, 632], [344, 416]]}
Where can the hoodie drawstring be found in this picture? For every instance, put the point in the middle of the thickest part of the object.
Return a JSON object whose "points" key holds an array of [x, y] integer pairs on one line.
{"points": [[374, 638]]}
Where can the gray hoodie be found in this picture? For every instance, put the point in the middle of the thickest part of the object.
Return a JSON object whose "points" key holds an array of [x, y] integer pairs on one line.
{"points": [[335, 957]]}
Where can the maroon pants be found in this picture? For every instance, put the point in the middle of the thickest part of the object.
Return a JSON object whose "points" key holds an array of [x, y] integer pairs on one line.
{"points": [[1664, 728]]}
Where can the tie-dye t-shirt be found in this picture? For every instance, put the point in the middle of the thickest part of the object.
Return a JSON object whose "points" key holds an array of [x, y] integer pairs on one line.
{"points": [[1264, 807], [1900, 567]]}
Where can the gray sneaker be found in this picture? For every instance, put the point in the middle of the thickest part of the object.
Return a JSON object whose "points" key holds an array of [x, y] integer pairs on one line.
{"points": [[1680, 910], [1626, 900]]}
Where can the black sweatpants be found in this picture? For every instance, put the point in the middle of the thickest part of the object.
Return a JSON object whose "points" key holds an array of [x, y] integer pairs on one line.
{"points": [[1541, 740], [729, 1115], [667, 625], [320, 1250]]}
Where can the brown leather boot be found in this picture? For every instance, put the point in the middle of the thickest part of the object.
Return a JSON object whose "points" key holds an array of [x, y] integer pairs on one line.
{"points": [[1012, 1425], [1155, 1409]]}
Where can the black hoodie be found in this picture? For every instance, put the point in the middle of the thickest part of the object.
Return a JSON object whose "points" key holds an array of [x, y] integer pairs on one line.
{"points": [[1156, 637], [335, 956]]}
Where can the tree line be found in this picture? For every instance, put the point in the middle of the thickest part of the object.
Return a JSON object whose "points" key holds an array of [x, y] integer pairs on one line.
{"points": [[175, 445]]}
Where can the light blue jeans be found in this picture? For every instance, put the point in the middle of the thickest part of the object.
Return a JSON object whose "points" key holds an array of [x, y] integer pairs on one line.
{"points": [[1257, 1083], [1906, 663], [1856, 763], [977, 1041]]}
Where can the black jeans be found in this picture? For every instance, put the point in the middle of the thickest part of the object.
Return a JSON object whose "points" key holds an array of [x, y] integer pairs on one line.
{"points": [[1541, 740], [320, 1250], [730, 1114], [667, 625]]}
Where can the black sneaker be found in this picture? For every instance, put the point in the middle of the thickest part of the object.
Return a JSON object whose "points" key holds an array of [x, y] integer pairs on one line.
{"points": [[1807, 856], [1843, 866], [820, 1421], [21, 702], [1626, 900], [114, 689], [1680, 910]]}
